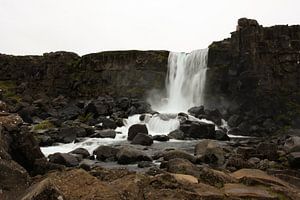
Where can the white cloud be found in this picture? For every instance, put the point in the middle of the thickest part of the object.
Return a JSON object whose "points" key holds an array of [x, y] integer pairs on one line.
{"points": [[84, 26]]}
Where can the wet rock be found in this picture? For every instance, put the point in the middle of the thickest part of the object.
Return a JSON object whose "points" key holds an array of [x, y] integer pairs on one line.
{"points": [[69, 112], [169, 155], [128, 155], [182, 166], [106, 123], [294, 160], [234, 120], [145, 164], [69, 134], [214, 115], [161, 138], [66, 159], [97, 107], [196, 111], [123, 103], [104, 134], [81, 151], [142, 139], [135, 129], [198, 130], [210, 152], [176, 134], [221, 135], [104, 153]]}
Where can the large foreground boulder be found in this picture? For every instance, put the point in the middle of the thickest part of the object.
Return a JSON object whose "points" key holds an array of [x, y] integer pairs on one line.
{"points": [[142, 139], [198, 130], [104, 153], [135, 129]]}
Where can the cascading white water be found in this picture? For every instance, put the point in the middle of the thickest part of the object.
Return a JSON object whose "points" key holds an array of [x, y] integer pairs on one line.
{"points": [[185, 82]]}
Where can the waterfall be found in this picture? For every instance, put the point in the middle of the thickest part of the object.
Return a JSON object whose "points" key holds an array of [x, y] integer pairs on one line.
{"points": [[185, 82]]}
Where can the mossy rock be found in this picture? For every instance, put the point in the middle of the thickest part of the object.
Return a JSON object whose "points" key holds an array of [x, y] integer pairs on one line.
{"points": [[46, 124]]}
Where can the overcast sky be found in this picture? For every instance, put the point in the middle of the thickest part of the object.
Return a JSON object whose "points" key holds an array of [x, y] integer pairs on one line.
{"points": [[85, 26]]}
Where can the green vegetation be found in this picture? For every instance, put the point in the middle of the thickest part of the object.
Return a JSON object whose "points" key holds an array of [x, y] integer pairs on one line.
{"points": [[43, 125], [85, 118], [9, 90]]}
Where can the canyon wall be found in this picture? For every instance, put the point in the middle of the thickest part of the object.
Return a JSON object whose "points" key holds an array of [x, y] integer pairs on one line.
{"points": [[118, 73], [257, 71]]}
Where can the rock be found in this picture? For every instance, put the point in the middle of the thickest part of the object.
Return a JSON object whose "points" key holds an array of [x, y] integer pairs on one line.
{"points": [[69, 112], [69, 134], [3, 106], [14, 178], [142, 139], [123, 103], [161, 138], [239, 191], [135, 129], [42, 190], [214, 115], [234, 120], [196, 111], [11, 122], [97, 107], [294, 160], [104, 134], [215, 178], [145, 164], [176, 134], [292, 144], [169, 155], [198, 130], [257, 176], [128, 155], [106, 123], [221, 135], [235, 162], [210, 152], [186, 178], [106, 153], [182, 166], [81, 151], [267, 151], [63, 159]]}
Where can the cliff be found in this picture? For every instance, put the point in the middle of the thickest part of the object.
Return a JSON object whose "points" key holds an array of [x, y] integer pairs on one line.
{"points": [[257, 72], [118, 73]]}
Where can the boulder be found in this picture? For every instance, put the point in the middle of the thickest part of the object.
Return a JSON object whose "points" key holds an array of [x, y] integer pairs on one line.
{"points": [[142, 139], [294, 160], [196, 111], [66, 159], [81, 151], [198, 130], [69, 112], [128, 155], [69, 134], [176, 134], [106, 153], [234, 120], [161, 138], [292, 144], [98, 107], [104, 134], [266, 150], [221, 135], [210, 152], [182, 166], [169, 155], [106, 123], [135, 129]]}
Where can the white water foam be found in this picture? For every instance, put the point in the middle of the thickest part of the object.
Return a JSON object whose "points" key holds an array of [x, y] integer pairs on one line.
{"points": [[185, 82]]}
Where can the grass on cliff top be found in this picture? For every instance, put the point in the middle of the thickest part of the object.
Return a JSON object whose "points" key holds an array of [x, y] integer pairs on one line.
{"points": [[43, 125], [8, 89]]}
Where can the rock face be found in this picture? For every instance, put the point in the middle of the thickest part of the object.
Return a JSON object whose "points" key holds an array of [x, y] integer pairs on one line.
{"points": [[257, 71], [118, 73]]}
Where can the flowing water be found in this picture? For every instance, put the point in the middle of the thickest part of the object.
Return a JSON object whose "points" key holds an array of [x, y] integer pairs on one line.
{"points": [[185, 82]]}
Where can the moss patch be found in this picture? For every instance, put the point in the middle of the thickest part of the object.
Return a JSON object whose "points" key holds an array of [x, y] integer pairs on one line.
{"points": [[43, 125]]}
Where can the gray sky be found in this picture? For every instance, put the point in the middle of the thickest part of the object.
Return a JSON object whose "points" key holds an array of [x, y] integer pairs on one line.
{"points": [[85, 26]]}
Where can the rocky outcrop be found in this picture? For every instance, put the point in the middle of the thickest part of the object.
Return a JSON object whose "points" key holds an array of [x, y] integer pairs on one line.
{"points": [[117, 73], [256, 73]]}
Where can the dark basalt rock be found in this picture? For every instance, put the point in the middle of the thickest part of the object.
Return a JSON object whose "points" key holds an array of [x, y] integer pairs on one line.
{"points": [[142, 139], [81, 151], [69, 134], [161, 138], [66, 159], [135, 129], [176, 134], [104, 153], [256, 71], [128, 155], [104, 134], [198, 130]]}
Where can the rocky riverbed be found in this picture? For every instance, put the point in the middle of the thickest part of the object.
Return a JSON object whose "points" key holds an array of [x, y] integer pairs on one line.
{"points": [[197, 160]]}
